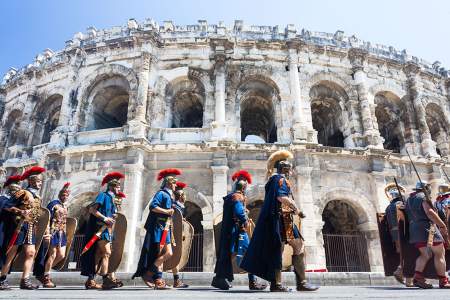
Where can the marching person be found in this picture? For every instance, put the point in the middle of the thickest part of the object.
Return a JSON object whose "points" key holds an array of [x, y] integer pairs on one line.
{"points": [[157, 247], [443, 201], [425, 237], [7, 201], [396, 201], [275, 227], [27, 210], [49, 256], [180, 199], [233, 237], [99, 235]]}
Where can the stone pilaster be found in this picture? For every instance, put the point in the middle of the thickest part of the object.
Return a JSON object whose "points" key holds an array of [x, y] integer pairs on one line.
{"points": [[138, 124], [132, 209], [371, 136], [315, 257], [220, 181], [427, 145]]}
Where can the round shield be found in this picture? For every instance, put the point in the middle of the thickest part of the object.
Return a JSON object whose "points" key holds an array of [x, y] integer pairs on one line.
{"points": [[71, 227], [118, 243], [188, 235], [177, 249], [41, 227]]}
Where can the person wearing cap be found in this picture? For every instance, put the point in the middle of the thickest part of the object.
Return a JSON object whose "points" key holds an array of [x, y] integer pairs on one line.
{"points": [[422, 216], [264, 255], [156, 248], [396, 200], [179, 201], [7, 212], [47, 257], [442, 201], [27, 210], [233, 236], [102, 212]]}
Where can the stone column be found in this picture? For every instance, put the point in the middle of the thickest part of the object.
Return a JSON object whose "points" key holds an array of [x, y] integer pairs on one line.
{"points": [[219, 129], [371, 135], [302, 127], [131, 208], [311, 226], [428, 146], [137, 125], [220, 182]]}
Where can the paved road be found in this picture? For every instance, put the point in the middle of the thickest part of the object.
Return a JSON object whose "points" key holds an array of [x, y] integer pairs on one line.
{"points": [[241, 293]]}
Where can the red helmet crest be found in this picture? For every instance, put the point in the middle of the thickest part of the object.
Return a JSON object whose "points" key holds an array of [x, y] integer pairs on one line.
{"points": [[110, 176], [12, 179], [168, 172], [242, 174], [121, 194], [180, 185], [35, 170]]}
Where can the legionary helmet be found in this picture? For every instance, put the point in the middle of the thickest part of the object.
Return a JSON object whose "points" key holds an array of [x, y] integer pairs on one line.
{"points": [[242, 179], [168, 176], [391, 191], [420, 185], [112, 179], [179, 189], [279, 160], [65, 191], [34, 173], [13, 183]]}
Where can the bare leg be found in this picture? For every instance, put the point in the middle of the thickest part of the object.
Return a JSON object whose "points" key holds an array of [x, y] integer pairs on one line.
{"points": [[422, 259], [439, 259], [105, 252], [167, 253], [30, 252], [51, 256]]}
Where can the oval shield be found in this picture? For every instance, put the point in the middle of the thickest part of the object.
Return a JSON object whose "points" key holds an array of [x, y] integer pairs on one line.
{"points": [[71, 227], [41, 227], [118, 243], [188, 235], [177, 248]]}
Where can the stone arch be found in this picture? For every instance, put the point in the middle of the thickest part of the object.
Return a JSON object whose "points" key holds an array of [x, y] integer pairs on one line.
{"points": [[329, 111], [388, 87], [185, 98], [46, 118], [392, 120], [438, 126], [11, 127], [108, 98], [258, 109]]}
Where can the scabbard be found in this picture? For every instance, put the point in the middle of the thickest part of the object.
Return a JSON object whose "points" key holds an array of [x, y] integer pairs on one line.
{"points": [[93, 239]]}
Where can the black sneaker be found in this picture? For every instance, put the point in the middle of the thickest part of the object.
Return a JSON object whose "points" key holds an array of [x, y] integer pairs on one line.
{"points": [[220, 283]]}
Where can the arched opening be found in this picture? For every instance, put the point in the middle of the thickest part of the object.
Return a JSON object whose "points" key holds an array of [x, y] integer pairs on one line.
{"points": [[345, 245], [77, 208], [109, 100], [438, 126], [194, 216], [327, 108], [391, 117], [186, 98], [11, 128], [46, 118], [258, 124]]}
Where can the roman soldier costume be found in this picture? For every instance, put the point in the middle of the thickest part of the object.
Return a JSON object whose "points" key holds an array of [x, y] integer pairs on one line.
{"points": [[275, 227], [158, 231], [99, 230], [234, 239], [443, 201], [7, 200], [58, 239]]}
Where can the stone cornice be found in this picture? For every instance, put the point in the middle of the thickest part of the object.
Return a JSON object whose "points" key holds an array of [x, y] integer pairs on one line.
{"points": [[134, 34]]}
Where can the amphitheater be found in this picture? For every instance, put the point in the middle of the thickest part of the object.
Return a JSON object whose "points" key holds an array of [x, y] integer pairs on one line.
{"points": [[212, 99]]}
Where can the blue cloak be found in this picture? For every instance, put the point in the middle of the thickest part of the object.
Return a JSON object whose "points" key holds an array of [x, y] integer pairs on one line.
{"points": [[6, 226], [263, 256], [233, 212]]}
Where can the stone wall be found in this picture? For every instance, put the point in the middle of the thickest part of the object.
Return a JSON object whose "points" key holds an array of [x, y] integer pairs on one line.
{"points": [[211, 99]]}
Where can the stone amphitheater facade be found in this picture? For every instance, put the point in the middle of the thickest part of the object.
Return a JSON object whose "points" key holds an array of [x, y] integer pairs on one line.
{"points": [[212, 99]]}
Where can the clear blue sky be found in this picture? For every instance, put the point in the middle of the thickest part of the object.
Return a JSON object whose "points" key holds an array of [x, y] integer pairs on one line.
{"points": [[422, 27]]}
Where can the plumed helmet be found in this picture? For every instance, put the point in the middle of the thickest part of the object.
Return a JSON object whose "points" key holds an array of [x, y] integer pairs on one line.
{"points": [[279, 160], [33, 172], [112, 178], [242, 175], [391, 190]]}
